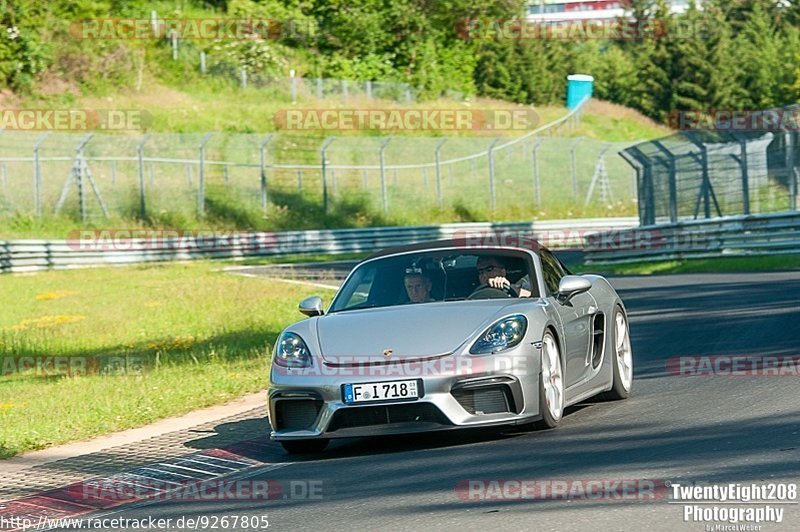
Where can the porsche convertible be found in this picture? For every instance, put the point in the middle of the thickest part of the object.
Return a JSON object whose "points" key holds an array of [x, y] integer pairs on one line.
{"points": [[446, 335]]}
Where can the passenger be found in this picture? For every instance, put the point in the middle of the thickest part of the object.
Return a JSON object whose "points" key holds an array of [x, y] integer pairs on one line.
{"points": [[492, 272], [418, 286]]}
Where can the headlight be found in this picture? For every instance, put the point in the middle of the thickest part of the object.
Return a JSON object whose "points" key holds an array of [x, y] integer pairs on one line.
{"points": [[504, 334], [292, 352]]}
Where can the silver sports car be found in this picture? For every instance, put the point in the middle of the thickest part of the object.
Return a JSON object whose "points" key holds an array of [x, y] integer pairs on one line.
{"points": [[448, 335]]}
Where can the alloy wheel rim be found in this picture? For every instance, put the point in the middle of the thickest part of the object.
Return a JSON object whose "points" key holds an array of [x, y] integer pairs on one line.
{"points": [[552, 377], [623, 350]]}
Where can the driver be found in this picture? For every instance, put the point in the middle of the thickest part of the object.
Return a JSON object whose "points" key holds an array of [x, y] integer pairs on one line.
{"points": [[492, 272], [418, 286]]}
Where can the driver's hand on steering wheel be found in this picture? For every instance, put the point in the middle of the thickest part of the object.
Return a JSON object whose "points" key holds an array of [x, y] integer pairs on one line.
{"points": [[499, 282], [502, 283]]}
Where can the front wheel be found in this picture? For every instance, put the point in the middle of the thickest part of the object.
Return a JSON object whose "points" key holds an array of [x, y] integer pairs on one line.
{"points": [[551, 383], [622, 365], [304, 446]]}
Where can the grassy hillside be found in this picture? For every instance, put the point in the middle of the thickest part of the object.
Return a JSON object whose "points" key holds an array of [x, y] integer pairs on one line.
{"points": [[142, 75]]}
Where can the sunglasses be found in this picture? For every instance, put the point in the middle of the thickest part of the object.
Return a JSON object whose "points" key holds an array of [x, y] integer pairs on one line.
{"points": [[487, 269]]}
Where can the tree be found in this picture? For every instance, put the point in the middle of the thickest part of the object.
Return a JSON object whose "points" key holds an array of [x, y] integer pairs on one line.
{"points": [[758, 48]]}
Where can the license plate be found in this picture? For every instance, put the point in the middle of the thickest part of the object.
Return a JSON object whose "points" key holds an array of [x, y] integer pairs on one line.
{"points": [[380, 391]]}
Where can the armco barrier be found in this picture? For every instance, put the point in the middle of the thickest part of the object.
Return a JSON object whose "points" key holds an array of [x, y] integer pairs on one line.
{"points": [[767, 234], [37, 255]]}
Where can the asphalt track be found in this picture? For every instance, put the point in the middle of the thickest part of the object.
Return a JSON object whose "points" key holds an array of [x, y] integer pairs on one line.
{"points": [[698, 429]]}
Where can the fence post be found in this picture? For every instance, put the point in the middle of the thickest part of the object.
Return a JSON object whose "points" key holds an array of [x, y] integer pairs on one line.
{"points": [[369, 89], [323, 154], [491, 174], [365, 178], [384, 196], [140, 158], [201, 183], [319, 88], [263, 165], [673, 181], [706, 181], [573, 149], [244, 78], [293, 85], [790, 173], [537, 195], [202, 62], [154, 22], [439, 172], [80, 162], [37, 176], [344, 89], [173, 35], [745, 177], [299, 179], [113, 172]]}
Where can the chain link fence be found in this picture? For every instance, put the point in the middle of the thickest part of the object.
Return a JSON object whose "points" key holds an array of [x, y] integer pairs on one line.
{"points": [[178, 179], [712, 173], [216, 64]]}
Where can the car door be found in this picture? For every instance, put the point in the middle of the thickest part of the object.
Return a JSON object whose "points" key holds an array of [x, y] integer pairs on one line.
{"points": [[576, 316]]}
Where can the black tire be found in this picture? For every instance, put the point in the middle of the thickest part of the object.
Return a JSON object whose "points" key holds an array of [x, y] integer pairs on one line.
{"points": [[549, 421], [304, 446], [618, 390]]}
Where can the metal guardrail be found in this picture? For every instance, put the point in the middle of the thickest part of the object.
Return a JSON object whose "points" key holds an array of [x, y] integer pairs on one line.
{"points": [[94, 248], [767, 234]]}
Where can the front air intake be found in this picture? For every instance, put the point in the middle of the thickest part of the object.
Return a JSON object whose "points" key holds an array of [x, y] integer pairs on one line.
{"points": [[485, 400], [296, 414]]}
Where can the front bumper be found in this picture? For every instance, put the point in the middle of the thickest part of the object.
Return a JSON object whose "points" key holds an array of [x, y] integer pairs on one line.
{"points": [[309, 405]]}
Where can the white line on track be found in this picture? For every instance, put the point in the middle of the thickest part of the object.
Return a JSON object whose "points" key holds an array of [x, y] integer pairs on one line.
{"points": [[290, 281], [250, 472]]}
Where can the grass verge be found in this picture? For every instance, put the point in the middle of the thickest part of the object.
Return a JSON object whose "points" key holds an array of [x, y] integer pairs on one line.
{"points": [[189, 336]]}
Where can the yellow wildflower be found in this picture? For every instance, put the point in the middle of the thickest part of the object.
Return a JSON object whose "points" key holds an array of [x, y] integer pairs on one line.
{"points": [[57, 294], [43, 322]]}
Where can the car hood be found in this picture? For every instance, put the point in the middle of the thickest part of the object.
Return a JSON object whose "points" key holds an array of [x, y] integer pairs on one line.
{"points": [[412, 332]]}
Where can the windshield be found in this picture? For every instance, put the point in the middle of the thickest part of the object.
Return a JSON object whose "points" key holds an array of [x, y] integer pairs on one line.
{"points": [[434, 276]]}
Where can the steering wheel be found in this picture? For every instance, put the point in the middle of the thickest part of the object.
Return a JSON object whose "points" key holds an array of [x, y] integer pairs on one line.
{"points": [[485, 291]]}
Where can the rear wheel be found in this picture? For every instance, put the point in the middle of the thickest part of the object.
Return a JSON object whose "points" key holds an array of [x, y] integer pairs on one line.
{"points": [[551, 383], [622, 365], [304, 446]]}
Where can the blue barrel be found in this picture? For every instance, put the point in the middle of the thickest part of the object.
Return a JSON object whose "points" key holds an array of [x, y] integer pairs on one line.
{"points": [[579, 86]]}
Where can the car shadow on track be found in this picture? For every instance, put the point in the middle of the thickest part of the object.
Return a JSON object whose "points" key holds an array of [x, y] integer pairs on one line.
{"points": [[250, 438]]}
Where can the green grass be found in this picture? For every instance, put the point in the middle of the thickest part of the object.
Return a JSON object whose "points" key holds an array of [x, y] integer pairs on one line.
{"points": [[614, 123], [201, 337], [713, 265]]}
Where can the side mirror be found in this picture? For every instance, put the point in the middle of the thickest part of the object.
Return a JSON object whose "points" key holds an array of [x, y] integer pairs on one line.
{"points": [[311, 306], [572, 285]]}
